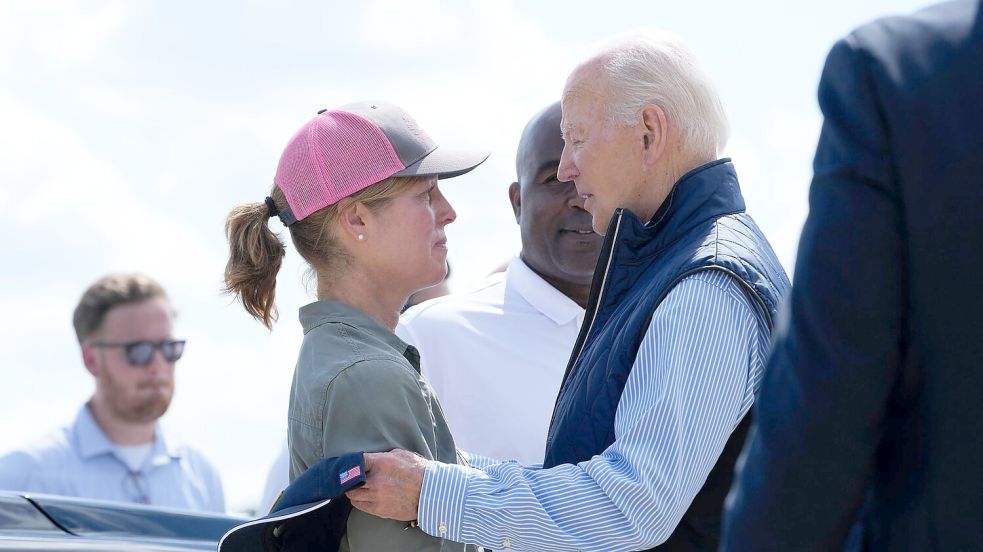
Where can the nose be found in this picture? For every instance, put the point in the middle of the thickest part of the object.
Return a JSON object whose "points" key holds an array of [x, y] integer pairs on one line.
{"points": [[567, 170], [444, 212], [158, 363]]}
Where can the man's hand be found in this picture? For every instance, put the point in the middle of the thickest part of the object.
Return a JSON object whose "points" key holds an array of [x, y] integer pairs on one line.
{"points": [[393, 481]]}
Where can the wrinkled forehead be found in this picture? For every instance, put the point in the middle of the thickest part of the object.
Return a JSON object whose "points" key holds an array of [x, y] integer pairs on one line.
{"points": [[589, 77], [586, 92]]}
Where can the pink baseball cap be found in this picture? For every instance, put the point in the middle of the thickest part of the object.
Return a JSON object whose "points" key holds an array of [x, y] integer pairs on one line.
{"points": [[342, 151]]}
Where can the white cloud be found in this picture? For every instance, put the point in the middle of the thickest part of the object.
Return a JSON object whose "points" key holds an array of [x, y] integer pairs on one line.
{"points": [[402, 28], [62, 185], [66, 32], [77, 33]]}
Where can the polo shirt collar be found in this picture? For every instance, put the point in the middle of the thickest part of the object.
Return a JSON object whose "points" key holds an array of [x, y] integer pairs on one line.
{"points": [[93, 442], [541, 295]]}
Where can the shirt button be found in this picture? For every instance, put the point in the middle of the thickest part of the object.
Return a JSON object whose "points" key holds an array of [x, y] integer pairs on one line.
{"points": [[443, 527], [506, 543]]}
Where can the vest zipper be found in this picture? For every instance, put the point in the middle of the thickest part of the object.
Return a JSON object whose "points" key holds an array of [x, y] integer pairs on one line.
{"points": [[592, 312], [600, 293]]}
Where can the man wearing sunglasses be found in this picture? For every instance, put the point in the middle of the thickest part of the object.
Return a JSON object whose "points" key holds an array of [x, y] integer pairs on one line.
{"points": [[116, 449]]}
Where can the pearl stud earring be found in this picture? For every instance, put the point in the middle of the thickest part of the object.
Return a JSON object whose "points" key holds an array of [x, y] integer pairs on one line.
{"points": [[361, 237]]}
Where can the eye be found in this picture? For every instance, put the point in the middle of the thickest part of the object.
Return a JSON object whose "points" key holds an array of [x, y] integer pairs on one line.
{"points": [[429, 193], [572, 137]]}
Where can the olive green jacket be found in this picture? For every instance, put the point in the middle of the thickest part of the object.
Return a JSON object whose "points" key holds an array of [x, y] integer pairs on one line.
{"points": [[358, 387]]}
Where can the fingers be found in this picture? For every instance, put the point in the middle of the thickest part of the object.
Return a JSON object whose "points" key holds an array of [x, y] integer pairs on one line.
{"points": [[363, 499], [376, 459], [368, 493], [364, 506], [392, 485], [367, 506], [371, 460], [404, 455]]}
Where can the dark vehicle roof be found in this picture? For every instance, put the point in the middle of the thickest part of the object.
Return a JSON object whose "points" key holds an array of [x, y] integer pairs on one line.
{"points": [[44, 522]]}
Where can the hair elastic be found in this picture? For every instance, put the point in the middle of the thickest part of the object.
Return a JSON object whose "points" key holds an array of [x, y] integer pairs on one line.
{"points": [[271, 209]]}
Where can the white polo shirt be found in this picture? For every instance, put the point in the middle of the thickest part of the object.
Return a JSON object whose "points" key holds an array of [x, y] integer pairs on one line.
{"points": [[495, 357]]}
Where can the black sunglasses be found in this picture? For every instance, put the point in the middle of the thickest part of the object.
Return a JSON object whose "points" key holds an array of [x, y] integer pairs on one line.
{"points": [[140, 353]]}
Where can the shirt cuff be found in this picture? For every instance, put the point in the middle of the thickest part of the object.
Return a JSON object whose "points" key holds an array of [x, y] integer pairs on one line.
{"points": [[442, 499]]}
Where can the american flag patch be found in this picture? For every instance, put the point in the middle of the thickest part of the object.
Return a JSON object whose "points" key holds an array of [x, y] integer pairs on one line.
{"points": [[346, 476]]}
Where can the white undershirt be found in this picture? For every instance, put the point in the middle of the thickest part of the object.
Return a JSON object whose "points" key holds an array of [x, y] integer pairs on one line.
{"points": [[133, 456]]}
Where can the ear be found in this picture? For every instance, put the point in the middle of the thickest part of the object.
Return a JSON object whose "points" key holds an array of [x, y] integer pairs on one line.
{"points": [[655, 133], [515, 198], [89, 359], [352, 218]]}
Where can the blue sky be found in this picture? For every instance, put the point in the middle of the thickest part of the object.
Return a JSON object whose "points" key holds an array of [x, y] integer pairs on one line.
{"points": [[129, 129]]}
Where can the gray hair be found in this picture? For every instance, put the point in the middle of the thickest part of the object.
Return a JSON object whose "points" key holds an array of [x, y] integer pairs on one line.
{"points": [[655, 67]]}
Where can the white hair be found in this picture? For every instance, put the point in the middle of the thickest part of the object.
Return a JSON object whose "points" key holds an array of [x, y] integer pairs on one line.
{"points": [[655, 67]]}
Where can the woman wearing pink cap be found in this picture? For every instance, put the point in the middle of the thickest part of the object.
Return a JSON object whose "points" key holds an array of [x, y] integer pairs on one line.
{"points": [[357, 189]]}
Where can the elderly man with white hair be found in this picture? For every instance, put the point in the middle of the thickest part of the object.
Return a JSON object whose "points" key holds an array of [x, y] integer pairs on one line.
{"points": [[651, 414]]}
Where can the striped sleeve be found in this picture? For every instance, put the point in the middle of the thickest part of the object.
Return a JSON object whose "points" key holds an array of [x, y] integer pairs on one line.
{"points": [[692, 381], [481, 462]]}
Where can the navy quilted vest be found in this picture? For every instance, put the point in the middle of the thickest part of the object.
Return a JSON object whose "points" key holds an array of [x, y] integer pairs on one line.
{"points": [[700, 226]]}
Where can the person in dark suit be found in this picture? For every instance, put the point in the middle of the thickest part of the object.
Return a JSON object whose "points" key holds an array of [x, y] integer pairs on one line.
{"points": [[870, 413]]}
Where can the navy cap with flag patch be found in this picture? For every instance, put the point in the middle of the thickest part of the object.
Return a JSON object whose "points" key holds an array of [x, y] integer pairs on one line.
{"points": [[311, 513]]}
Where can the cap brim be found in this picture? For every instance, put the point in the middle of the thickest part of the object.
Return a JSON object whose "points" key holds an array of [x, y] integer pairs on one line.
{"points": [[445, 163], [248, 536]]}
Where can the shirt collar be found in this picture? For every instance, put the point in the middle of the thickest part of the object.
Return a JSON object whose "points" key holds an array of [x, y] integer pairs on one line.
{"points": [[322, 312], [541, 295], [92, 441]]}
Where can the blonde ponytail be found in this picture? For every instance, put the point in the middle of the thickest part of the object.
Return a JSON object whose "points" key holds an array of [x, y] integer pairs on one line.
{"points": [[255, 256]]}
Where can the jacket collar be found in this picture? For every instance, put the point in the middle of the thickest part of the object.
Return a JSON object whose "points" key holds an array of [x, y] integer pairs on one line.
{"points": [[326, 311], [704, 193]]}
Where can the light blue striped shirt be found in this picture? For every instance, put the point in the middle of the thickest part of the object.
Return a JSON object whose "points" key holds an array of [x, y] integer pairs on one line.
{"points": [[79, 460], [693, 380]]}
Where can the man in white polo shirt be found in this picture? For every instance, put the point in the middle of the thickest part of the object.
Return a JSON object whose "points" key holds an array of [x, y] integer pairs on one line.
{"points": [[496, 355]]}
